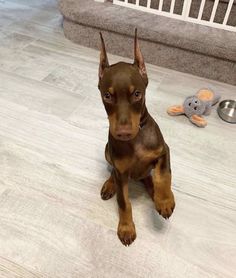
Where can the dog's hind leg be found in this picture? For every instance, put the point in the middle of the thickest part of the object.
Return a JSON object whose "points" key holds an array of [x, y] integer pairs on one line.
{"points": [[163, 195], [108, 189], [148, 183], [107, 155]]}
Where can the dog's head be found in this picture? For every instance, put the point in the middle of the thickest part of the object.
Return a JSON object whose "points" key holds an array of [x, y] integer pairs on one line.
{"points": [[122, 88]]}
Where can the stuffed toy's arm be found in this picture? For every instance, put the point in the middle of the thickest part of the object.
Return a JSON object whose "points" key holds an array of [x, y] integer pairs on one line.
{"points": [[175, 110], [198, 120]]}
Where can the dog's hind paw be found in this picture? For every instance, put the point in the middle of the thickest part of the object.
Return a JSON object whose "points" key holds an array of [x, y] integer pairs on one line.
{"points": [[165, 207], [108, 189]]}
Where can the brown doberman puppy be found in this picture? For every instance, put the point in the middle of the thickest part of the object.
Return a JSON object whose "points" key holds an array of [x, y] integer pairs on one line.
{"points": [[135, 144]]}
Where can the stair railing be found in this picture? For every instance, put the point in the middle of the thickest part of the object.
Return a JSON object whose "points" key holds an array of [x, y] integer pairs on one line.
{"points": [[148, 6]]}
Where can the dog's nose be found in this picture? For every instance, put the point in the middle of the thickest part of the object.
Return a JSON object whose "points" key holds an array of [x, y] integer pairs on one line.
{"points": [[124, 132]]}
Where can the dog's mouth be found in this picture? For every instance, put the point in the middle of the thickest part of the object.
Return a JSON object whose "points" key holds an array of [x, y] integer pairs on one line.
{"points": [[125, 135], [125, 138]]}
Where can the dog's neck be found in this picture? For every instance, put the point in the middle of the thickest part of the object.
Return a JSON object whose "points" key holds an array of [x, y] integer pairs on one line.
{"points": [[144, 117]]}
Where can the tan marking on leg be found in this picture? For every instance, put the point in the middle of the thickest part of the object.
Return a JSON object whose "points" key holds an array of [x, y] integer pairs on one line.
{"points": [[126, 229], [163, 195]]}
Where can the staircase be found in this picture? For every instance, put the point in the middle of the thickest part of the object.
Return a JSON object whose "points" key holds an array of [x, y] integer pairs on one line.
{"points": [[200, 50]]}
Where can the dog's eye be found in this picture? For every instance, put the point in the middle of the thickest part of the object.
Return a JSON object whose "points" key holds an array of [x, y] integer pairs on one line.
{"points": [[107, 96], [137, 95]]}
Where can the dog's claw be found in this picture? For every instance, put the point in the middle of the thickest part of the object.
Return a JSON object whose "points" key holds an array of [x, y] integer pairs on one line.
{"points": [[106, 196]]}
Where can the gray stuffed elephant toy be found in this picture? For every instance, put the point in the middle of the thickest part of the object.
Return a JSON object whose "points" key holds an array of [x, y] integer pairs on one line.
{"points": [[195, 107]]}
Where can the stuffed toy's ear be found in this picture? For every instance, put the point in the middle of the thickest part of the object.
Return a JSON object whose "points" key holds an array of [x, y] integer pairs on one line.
{"points": [[175, 110], [205, 94], [198, 120]]}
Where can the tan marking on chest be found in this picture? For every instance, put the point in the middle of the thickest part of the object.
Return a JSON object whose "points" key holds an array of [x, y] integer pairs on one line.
{"points": [[124, 164], [144, 154], [141, 156]]}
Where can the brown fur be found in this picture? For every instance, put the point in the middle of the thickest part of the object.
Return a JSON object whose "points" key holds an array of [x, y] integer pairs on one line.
{"points": [[135, 144]]}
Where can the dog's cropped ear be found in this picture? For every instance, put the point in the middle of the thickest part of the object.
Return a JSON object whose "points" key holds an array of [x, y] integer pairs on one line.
{"points": [[138, 57], [103, 58]]}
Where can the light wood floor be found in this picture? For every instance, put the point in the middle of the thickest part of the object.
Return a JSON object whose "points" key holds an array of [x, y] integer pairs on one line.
{"points": [[53, 130]]}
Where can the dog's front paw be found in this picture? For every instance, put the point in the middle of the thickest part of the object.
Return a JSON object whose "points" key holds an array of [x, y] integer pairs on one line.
{"points": [[108, 189], [126, 233], [165, 207]]}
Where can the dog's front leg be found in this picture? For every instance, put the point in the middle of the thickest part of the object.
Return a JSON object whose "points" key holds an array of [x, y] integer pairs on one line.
{"points": [[126, 229], [163, 195]]}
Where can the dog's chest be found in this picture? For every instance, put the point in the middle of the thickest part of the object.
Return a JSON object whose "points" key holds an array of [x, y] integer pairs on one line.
{"points": [[139, 164]]}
